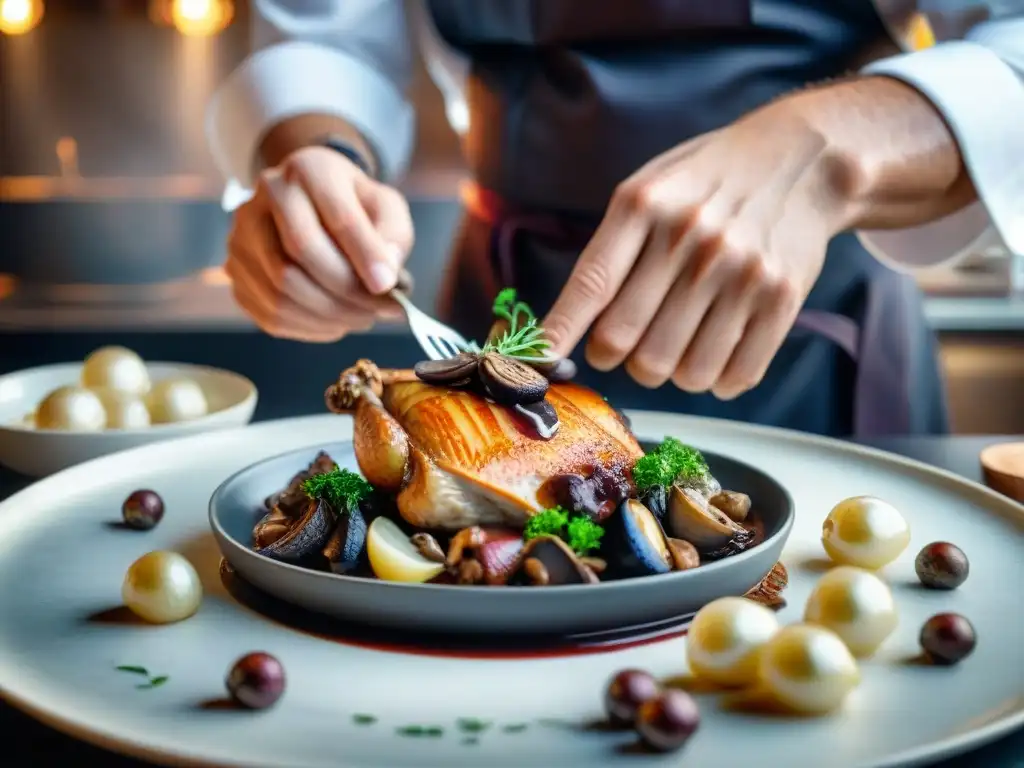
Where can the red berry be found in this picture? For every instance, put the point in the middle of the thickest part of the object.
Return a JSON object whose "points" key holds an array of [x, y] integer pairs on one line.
{"points": [[942, 565], [626, 692], [667, 722], [947, 638], [256, 680]]}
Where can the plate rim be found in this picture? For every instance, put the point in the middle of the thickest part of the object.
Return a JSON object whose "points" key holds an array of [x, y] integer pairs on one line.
{"points": [[561, 589], [991, 502]]}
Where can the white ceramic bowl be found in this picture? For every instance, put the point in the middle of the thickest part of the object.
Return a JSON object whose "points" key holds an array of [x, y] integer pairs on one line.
{"points": [[39, 452]]}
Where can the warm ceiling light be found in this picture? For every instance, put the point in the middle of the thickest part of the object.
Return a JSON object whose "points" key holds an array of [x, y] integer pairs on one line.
{"points": [[201, 17], [20, 16]]}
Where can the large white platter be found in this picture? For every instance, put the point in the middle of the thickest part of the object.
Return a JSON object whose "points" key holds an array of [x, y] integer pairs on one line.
{"points": [[61, 566]]}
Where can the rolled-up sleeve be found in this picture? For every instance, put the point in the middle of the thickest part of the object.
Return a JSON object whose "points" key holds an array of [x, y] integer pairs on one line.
{"points": [[977, 83], [348, 58]]}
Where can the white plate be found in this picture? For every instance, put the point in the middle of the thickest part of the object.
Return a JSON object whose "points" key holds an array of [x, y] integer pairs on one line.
{"points": [[60, 563], [39, 452]]}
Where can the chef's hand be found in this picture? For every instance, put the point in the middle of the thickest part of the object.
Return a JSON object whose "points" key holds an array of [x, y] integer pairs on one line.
{"points": [[311, 253], [705, 256]]}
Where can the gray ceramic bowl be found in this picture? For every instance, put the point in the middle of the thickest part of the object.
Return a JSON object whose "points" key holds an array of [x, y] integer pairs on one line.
{"points": [[238, 503]]}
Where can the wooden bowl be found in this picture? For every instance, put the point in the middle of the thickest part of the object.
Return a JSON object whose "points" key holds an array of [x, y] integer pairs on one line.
{"points": [[1003, 467]]}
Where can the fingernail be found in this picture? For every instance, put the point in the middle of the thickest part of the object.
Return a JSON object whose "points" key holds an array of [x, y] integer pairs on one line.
{"points": [[396, 255], [382, 277]]}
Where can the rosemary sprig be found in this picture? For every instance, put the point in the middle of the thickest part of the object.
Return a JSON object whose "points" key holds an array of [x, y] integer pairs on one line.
{"points": [[524, 338]]}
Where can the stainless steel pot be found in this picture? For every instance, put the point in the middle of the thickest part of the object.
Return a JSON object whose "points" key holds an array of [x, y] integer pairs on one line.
{"points": [[70, 230]]}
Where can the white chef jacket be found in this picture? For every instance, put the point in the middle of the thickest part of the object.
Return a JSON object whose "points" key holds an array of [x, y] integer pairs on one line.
{"points": [[353, 59]]}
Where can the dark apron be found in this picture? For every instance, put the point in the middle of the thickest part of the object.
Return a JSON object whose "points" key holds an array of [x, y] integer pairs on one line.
{"points": [[569, 97]]}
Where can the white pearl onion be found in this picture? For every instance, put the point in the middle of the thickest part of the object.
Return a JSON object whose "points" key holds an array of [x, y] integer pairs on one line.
{"points": [[808, 669], [173, 400], [866, 532], [856, 605], [162, 587], [725, 639], [116, 368], [73, 409], [124, 410]]}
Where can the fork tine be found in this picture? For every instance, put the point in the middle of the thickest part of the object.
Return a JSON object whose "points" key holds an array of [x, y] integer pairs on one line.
{"points": [[438, 344], [452, 348]]}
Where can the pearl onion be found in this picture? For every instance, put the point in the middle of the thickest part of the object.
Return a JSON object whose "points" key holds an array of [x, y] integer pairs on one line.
{"points": [[856, 605], [808, 669], [71, 408], [124, 410], [162, 587], [174, 400], [116, 368], [725, 640], [866, 532]]}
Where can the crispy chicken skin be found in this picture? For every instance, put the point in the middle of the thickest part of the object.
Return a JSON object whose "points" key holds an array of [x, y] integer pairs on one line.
{"points": [[456, 459]]}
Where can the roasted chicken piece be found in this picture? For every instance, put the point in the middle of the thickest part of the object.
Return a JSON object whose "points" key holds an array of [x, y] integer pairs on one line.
{"points": [[455, 459]]}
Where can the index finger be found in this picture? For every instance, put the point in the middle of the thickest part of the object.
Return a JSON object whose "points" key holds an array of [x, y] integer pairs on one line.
{"points": [[601, 270]]}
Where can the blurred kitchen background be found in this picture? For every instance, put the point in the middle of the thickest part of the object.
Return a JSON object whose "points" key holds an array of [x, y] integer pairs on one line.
{"points": [[112, 231]]}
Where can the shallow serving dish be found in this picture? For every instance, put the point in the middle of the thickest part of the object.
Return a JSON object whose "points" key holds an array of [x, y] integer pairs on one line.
{"points": [[238, 503], [39, 452]]}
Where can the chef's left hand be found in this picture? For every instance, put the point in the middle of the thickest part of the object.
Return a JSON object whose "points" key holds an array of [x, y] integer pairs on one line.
{"points": [[705, 256]]}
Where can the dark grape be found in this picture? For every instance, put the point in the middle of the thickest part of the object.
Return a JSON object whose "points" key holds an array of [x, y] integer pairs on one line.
{"points": [[256, 680], [626, 692], [942, 565], [142, 510], [667, 722], [948, 638]]}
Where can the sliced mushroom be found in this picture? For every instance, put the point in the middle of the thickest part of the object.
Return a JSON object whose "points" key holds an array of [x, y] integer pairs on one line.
{"points": [[494, 550], [345, 549], [692, 519], [735, 504], [451, 371], [510, 382], [705, 485], [307, 536], [272, 527], [428, 547], [548, 561], [684, 555]]}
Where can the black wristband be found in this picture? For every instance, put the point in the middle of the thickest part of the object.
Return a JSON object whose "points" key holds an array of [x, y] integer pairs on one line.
{"points": [[344, 148]]}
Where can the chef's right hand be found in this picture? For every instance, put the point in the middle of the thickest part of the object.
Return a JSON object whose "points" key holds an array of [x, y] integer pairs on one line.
{"points": [[313, 253]]}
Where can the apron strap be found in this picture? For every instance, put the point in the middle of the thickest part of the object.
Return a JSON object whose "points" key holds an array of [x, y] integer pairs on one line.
{"points": [[880, 346]]}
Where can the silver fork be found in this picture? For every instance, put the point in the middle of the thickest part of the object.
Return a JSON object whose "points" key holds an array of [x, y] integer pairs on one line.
{"points": [[437, 339]]}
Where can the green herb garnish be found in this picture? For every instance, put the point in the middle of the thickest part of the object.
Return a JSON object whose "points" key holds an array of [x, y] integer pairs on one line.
{"points": [[364, 719], [670, 462], [584, 535], [472, 725], [432, 731], [524, 338], [550, 522], [133, 669], [515, 728], [154, 682], [341, 488], [581, 533]]}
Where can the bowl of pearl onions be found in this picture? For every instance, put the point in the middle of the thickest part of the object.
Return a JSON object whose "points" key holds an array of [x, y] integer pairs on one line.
{"points": [[56, 416]]}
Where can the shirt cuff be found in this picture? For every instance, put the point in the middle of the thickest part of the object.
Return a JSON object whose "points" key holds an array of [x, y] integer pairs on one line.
{"points": [[297, 78], [982, 101]]}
